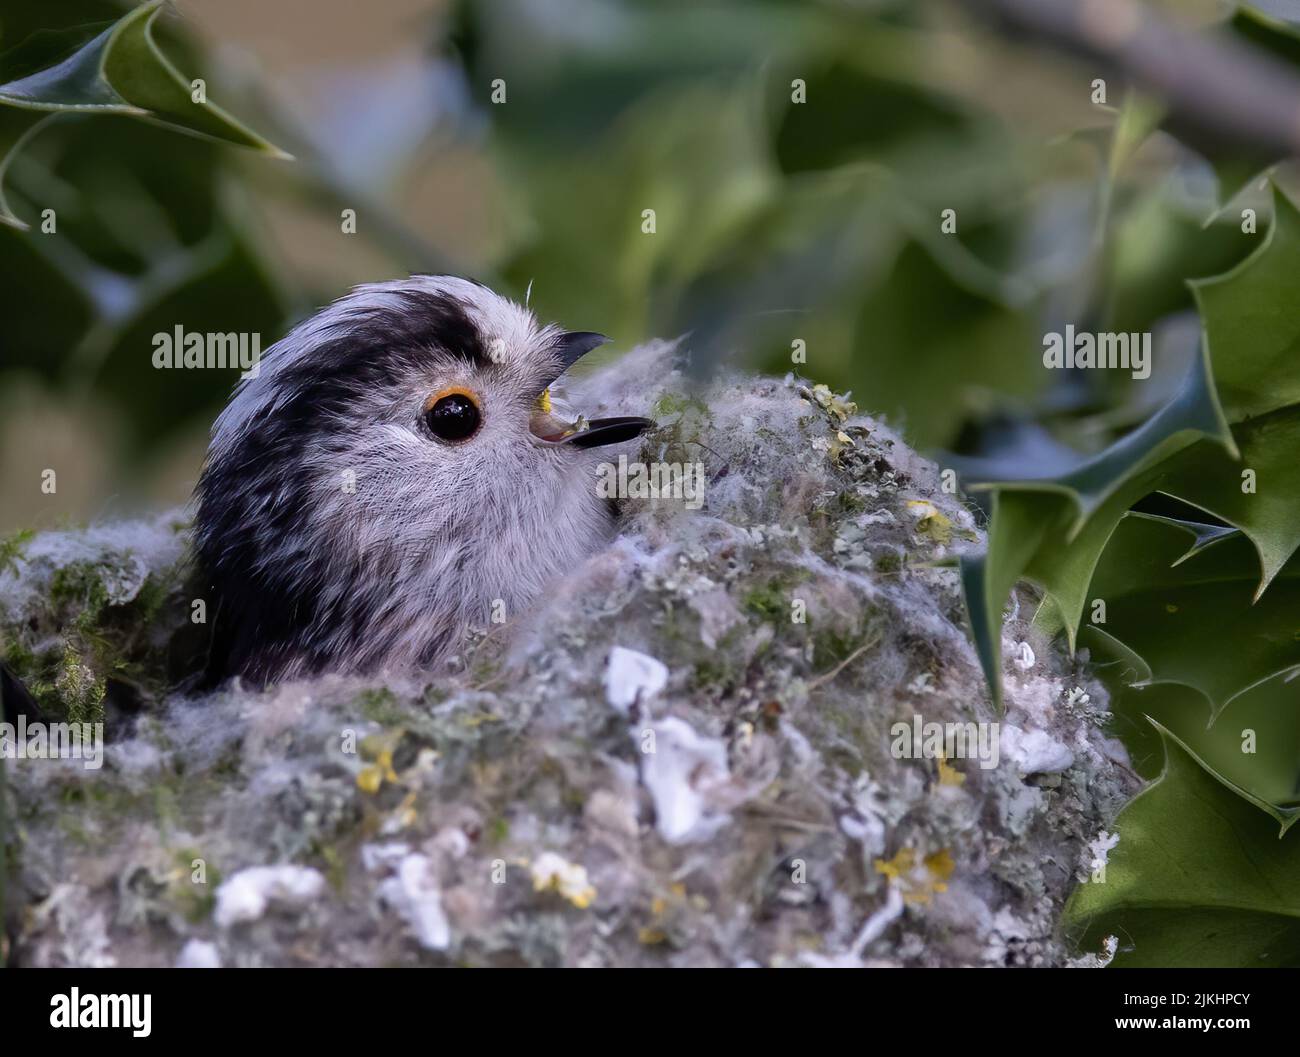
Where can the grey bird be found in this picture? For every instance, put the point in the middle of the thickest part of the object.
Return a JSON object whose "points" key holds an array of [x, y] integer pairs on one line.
{"points": [[393, 476]]}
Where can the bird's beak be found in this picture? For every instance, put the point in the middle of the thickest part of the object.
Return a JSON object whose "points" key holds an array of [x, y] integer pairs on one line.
{"points": [[574, 345], [581, 434], [602, 431]]}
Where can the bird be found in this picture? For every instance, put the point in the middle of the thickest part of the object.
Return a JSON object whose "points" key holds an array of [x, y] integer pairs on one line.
{"points": [[390, 475]]}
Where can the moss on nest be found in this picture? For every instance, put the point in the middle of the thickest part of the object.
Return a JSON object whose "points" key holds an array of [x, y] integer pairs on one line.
{"points": [[508, 813]]}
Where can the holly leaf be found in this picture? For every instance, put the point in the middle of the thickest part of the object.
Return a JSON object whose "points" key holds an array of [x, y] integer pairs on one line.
{"points": [[1167, 609], [121, 70], [1198, 878], [1253, 335], [1238, 410], [1256, 494], [17, 127], [1251, 325], [135, 67], [1052, 531], [1253, 746], [1208, 638]]}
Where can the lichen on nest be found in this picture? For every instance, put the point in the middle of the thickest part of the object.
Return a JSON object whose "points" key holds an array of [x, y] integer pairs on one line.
{"points": [[682, 757]]}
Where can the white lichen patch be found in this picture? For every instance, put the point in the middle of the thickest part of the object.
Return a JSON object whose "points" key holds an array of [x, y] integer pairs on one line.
{"points": [[1098, 852], [683, 757], [682, 771], [250, 892], [412, 891], [199, 954], [632, 677], [1034, 751]]}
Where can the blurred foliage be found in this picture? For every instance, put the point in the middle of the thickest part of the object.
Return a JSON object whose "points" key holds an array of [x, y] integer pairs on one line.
{"points": [[800, 158], [144, 234], [776, 220]]}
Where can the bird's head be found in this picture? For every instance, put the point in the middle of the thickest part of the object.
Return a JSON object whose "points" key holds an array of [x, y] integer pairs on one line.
{"points": [[394, 465]]}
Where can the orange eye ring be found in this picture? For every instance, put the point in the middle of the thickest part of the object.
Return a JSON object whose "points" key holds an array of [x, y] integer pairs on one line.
{"points": [[451, 390], [453, 414]]}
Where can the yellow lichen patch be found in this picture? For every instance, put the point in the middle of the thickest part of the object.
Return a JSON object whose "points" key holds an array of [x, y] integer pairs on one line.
{"points": [[941, 867], [935, 525], [948, 774], [660, 905], [405, 814], [372, 777], [669, 911], [899, 865], [839, 406], [478, 719], [918, 882], [552, 873], [378, 749], [839, 442]]}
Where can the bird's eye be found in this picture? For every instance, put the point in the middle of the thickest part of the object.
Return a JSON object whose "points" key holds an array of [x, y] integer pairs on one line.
{"points": [[452, 414]]}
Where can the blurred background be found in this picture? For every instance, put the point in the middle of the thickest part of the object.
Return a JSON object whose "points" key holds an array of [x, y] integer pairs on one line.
{"points": [[799, 157]]}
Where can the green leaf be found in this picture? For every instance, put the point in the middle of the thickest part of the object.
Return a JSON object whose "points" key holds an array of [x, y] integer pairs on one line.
{"points": [[1053, 531], [987, 579], [17, 127], [930, 346], [1203, 534], [1168, 652], [1248, 367], [1135, 119], [135, 67], [1199, 878], [164, 235], [1254, 342], [858, 114], [1170, 612], [1207, 639], [1251, 324], [120, 71], [1253, 746], [1207, 477], [1275, 35], [694, 154], [74, 83]]}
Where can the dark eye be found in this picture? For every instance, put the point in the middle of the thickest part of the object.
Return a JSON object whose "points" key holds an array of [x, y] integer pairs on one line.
{"points": [[452, 414]]}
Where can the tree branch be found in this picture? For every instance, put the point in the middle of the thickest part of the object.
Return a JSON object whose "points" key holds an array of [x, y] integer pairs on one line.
{"points": [[1221, 93]]}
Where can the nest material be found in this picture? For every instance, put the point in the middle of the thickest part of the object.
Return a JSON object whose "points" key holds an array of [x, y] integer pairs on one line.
{"points": [[764, 647]]}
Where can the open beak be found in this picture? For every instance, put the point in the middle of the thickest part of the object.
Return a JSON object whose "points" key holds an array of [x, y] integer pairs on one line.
{"points": [[596, 433]]}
